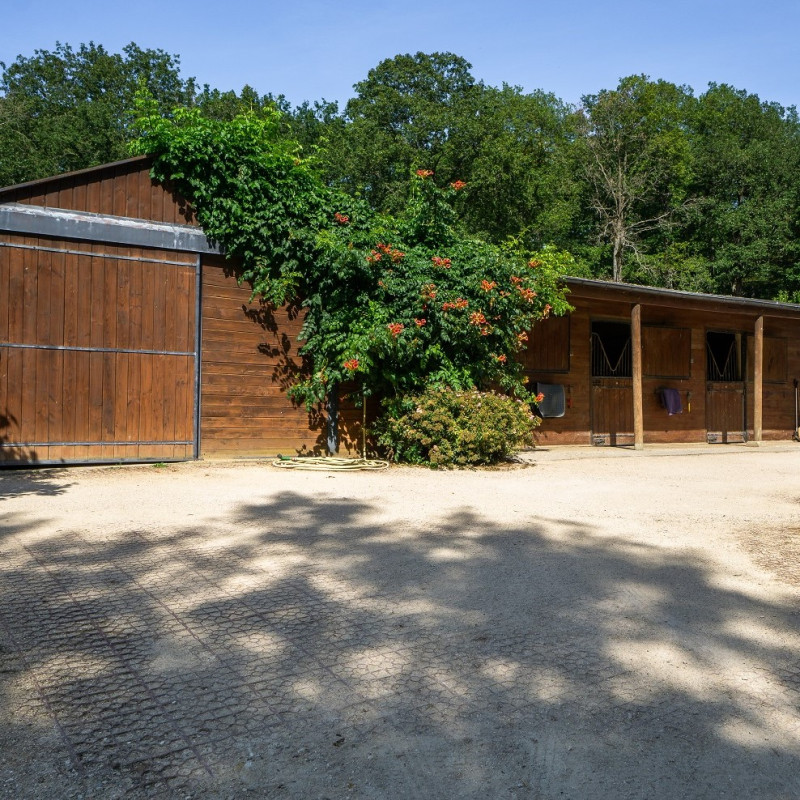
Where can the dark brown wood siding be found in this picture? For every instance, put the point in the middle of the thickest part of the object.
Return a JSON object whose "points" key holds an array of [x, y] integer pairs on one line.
{"points": [[674, 356], [249, 360], [548, 346], [96, 352], [612, 411], [776, 363], [666, 352], [123, 190], [725, 412]]}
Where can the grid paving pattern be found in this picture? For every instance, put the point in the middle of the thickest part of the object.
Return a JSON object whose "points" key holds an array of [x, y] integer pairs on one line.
{"points": [[317, 655]]}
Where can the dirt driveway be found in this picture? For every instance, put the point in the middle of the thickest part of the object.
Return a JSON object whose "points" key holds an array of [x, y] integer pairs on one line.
{"points": [[611, 626]]}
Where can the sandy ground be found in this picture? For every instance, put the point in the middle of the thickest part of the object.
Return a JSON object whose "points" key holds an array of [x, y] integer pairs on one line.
{"points": [[595, 624]]}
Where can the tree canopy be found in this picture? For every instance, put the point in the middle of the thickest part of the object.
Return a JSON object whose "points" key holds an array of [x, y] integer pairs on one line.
{"points": [[66, 109], [646, 182], [746, 162], [633, 151]]}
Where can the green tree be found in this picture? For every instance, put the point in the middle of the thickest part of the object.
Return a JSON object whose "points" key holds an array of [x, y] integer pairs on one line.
{"points": [[409, 302], [397, 302], [428, 111], [317, 127], [512, 149], [216, 104], [402, 116], [633, 153], [747, 180], [65, 109]]}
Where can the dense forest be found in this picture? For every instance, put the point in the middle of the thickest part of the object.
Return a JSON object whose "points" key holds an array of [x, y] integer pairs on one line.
{"points": [[647, 182]]}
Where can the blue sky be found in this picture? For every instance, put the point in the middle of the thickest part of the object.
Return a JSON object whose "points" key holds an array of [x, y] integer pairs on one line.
{"points": [[309, 49]]}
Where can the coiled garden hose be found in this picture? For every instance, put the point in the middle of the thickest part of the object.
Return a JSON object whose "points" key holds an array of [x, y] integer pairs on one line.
{"points": [[328, 463]]}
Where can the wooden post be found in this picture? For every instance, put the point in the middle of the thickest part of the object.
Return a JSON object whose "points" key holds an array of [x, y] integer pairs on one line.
{"points": [[636, 364], [758, 382]]}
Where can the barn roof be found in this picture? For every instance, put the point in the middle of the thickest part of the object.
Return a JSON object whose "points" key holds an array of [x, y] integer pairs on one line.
{"points": [[588, 287], [116, 203]]}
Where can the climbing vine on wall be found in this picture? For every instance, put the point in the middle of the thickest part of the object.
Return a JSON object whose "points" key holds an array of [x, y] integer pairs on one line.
{"points": [[396, 304]]}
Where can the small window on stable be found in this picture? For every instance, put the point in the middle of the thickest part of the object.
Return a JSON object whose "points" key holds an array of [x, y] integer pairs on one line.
{"points": [[611, 350], [724, 356]]}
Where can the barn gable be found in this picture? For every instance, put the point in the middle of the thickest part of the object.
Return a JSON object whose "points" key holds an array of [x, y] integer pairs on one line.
{"points": [[121, 189]]}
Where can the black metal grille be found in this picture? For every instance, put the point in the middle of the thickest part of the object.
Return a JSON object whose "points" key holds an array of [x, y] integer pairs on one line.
{"points": [[615, 365], [723, 360]]}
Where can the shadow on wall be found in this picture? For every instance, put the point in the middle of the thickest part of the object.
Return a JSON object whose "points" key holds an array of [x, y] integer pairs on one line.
{"points": [[290, 367], [304, 649], [11, 455]]}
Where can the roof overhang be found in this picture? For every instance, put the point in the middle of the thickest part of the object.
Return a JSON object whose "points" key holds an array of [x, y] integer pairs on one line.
{"points": [[586, 288], [58, 223]]}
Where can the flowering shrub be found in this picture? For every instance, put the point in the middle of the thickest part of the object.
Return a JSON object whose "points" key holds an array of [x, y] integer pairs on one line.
{"points": [[381, 250], [476, 318], [446, 428], [398, 303], [418, 304]]}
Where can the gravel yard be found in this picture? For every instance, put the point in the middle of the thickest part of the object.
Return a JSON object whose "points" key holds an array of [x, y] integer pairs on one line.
{"points": [[592, 624]]}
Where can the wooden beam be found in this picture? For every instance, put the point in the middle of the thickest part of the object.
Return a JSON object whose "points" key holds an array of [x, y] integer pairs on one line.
{"points": [[636, 348], [758, 381]]}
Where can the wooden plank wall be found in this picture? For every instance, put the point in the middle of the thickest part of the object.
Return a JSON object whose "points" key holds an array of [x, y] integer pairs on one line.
{"points": [[782, 366], [548, 346], [106, 297], [674, 342], [124, 190], [674, 358], [249, 360], [612, 411], [574, 426]]}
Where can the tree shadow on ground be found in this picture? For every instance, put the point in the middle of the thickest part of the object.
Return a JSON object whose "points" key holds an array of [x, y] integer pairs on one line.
{"points": [[45, 482], [305, 650]]}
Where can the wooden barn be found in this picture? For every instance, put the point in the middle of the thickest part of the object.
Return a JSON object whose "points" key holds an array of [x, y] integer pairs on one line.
{"points": [[636, 364], [125, 336]]}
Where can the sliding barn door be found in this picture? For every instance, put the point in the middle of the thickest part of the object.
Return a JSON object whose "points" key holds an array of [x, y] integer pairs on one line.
{"points": [[97, 352]]}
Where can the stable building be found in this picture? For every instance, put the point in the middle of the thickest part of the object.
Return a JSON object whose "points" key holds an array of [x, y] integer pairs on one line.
{"points": [[126, 336], [634, 365]]}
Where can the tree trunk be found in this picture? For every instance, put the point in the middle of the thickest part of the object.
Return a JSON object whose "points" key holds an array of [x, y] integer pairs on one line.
{"points": [[619, 244]]}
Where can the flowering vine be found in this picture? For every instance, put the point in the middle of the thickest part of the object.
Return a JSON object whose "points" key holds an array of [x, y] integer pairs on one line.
{"points": [[393, 302]]}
